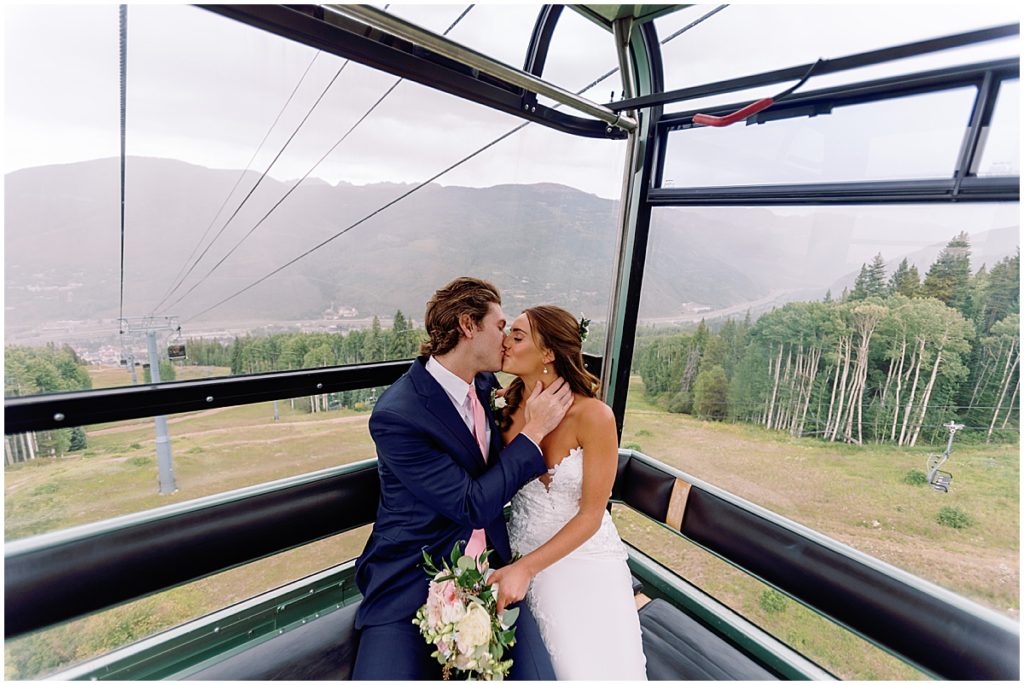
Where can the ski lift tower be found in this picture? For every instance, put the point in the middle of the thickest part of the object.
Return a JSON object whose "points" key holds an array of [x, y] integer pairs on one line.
{"points": [[940, 480], [149, 326]]}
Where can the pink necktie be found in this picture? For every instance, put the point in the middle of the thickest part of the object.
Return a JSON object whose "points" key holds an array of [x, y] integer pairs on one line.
{"points": [[477, 541]]}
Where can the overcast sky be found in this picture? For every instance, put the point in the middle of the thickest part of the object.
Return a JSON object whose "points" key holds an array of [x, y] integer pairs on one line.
{"points": [[206, 89]]}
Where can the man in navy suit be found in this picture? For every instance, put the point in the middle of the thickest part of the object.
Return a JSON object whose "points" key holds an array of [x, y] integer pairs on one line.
{"points": [[437, 489]]}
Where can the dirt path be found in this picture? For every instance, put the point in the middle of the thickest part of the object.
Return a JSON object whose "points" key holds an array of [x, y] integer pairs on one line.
{"points": [[127, 428], [278, 425]]}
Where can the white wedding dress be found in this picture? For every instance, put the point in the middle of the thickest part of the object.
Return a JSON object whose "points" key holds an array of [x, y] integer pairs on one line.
{"points": [[583, 603]]}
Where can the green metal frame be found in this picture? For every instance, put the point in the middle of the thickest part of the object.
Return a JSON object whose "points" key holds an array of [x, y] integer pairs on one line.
{"points": [[191, 647]]}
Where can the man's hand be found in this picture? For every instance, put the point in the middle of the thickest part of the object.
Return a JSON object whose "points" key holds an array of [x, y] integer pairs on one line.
{"points": [[513, 581], [545, 409]]}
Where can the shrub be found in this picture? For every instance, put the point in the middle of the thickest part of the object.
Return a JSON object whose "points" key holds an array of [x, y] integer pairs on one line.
{"points": [[135, 446], [644, 433], [680, 403], [140, 461], [773, 601], [711, 394], [45, 489], [195, 450], [915, 477], [632, 446], [78, 440], [954, 517]]}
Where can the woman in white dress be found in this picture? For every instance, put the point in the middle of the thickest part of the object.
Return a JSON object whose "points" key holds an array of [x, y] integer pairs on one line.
{"points": [[573, 570]]}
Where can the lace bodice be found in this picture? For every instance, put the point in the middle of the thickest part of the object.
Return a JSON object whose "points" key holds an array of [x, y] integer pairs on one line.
{"points": [[538, 512]]}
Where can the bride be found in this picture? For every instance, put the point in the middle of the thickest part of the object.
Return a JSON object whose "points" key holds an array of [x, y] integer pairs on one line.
{"points": [[573, 570]]}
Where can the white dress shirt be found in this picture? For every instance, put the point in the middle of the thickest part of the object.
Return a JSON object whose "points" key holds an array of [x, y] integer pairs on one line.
{"points": [[458, 392]]}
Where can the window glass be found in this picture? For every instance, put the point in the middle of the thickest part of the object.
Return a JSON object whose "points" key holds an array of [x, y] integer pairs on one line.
{"points": [[68, 477], [1001, 152], [905, 138], [47, 651], [329, 260], [580, 53], [811, 360], [501, 31], [780, 36], [837, 650]]}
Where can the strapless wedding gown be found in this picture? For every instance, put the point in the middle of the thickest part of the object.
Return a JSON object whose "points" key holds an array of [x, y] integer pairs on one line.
{"points": [[583, 603]]}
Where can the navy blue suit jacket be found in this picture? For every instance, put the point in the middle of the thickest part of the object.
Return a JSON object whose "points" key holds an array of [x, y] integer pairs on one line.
{"points": [[434, 490]]}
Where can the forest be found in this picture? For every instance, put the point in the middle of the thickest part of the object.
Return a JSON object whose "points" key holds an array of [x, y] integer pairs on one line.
{"points": [[891, 360]]}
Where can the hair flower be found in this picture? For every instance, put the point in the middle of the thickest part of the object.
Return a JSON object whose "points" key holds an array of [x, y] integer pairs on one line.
{"points": [[584, 328]]}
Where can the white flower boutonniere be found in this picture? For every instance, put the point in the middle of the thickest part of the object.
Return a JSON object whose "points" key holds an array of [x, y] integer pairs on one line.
{"points": [[497, 401]]}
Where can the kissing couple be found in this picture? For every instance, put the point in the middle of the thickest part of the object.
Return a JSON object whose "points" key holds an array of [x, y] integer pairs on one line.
{"points": [[449, 462]]}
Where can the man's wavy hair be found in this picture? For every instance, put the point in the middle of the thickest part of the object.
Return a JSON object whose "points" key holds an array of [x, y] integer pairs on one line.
{"points": [[464, 295]]}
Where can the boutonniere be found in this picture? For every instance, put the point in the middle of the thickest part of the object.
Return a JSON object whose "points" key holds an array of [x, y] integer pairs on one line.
{"points": [[497, 401]]}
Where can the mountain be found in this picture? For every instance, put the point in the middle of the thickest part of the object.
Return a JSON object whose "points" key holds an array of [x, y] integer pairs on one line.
{"points": [[539, 243]]}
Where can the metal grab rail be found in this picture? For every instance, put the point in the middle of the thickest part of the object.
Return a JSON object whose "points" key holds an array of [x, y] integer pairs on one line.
{"points": [[395, 26]]}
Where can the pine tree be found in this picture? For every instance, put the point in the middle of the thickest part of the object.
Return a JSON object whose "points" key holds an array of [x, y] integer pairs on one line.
{"points": [[871, 280], [860, 290], [949, 277], [905, 280], [1003, 292], [402, 343]]}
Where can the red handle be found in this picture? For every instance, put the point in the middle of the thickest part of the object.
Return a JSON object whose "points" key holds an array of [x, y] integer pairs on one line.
{"points": [[748, 111]]}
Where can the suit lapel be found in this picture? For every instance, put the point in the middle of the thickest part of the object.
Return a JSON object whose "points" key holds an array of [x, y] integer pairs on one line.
{"points": [[437, 402]]}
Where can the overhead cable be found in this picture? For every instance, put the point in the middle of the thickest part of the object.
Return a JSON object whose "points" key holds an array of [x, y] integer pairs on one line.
{"points": [[262, 176], [177, 282], [123, 45], [308, 172], [420, 185]]}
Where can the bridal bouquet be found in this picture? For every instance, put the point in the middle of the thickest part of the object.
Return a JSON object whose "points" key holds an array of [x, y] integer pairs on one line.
{"points": [[461, 618]]}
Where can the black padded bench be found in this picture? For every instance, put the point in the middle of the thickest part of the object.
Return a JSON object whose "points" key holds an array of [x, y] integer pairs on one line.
{"points": [[680, 648], [677, 648]]}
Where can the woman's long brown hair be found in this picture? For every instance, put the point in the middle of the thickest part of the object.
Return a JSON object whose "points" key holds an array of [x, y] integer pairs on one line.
{"points": [[557, 330]]}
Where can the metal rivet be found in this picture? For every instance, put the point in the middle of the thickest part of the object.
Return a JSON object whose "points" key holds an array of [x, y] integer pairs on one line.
{"points": [[216, 629], [58, 417], [209, 398], [319, 386]]}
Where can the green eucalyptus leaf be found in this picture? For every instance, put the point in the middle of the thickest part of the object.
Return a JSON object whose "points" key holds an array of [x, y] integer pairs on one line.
{"points": [[467, 563], [509, 616]]}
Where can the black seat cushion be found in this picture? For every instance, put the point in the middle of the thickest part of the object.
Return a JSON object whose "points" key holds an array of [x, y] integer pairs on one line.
{"points": [[323, 649], [680, 648]]}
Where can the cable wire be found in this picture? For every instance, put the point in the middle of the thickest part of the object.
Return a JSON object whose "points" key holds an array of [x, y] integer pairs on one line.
{"points": [[177, 282], [407, 193], [260, 179], [308, 172], [123, 51]]}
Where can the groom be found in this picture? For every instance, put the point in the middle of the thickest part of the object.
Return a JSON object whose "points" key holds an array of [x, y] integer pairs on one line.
{"points": [[444, 477]]}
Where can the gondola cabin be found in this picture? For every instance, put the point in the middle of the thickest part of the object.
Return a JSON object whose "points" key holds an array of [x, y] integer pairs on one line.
{"points": [[795, 227]]}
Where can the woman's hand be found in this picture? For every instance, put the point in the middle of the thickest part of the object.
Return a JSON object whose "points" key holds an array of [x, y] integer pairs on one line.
{"points": [[513, 581]]}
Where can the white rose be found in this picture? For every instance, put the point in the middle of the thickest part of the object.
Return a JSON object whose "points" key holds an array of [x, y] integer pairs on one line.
{"points": [[474, 629], [452, 612]]}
